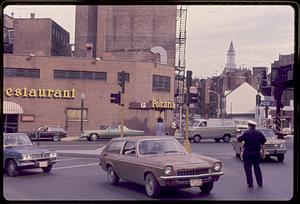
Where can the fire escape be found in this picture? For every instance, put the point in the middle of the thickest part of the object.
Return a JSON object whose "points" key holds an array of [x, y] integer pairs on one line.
{"points": [[180, 58]]}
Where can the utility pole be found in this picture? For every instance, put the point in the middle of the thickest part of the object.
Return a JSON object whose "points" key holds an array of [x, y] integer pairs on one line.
{"points": [[122, 85], [186, 143]]}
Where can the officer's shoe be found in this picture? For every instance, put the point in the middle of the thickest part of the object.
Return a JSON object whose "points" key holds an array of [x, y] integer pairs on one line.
{"points": [[260, 185], [250, 186]]}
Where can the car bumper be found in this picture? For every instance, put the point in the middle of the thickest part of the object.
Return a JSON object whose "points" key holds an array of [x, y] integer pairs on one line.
{"points": [[274, 151], [35, 164], [185, 181]]}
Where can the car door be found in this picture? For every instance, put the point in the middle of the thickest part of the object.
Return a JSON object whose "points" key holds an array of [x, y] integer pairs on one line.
{"points": [[113, 131], [112, 156], [131, 163]]}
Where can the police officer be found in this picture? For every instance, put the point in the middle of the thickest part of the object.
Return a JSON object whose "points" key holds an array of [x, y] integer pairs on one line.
{"points": [[253, 139]]}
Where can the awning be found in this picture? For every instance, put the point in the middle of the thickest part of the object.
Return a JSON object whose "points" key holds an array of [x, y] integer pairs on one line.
{"points": [[11, 108]]}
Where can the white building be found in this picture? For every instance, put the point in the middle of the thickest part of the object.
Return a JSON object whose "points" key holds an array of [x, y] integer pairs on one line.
{"points": [[241, 102]]}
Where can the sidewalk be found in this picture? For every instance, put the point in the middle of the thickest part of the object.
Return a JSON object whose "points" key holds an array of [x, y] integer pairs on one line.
{"points": [[73, 138]]}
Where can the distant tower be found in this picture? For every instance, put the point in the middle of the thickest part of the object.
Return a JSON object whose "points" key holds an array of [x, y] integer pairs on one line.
{"points": [[230, 65]]}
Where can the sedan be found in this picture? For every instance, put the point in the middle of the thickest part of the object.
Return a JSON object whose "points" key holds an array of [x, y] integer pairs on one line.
{"points": [[108, 132], [19, 154], [158, 162]]}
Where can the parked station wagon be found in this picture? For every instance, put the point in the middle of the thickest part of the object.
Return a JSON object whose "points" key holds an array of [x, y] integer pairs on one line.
{"points": [[158, 162], [272, 147], [19, 154]]}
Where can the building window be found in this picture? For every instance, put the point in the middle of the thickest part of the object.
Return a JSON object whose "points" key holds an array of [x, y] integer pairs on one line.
{"points": [[21, 72], [10, 36], [126, 76], [72, 74], [161, 83], [74, 114]]}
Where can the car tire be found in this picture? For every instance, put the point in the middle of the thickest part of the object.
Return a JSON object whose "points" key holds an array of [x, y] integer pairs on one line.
{"points": [[226, 138], [112, 177], [152, 187], [93, 137], [237, 155], [12, 169], [196, 138], [206, 187], [56, 138], [47, 169], [280, 157], [217, 139]]}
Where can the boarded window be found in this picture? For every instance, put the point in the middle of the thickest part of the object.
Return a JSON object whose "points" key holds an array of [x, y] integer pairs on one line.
{"points": [[75, 114]]}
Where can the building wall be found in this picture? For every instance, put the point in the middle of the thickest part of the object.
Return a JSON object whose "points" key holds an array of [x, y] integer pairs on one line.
{"points": [[130, 28], [32, 35], [51, 111]]}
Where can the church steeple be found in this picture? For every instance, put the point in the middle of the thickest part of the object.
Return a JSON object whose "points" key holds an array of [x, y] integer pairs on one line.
{"points": [[230, 65]]}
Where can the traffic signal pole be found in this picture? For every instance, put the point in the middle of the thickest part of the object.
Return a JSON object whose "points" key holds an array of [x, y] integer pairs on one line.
{"points": [[186, 143], [122, 115]]}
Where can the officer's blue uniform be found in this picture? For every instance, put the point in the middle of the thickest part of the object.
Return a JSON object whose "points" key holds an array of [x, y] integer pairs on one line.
{"points": [[253, 140]]}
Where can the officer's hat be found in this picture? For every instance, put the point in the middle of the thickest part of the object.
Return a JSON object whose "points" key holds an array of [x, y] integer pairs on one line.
{"points": [[251, 122]]}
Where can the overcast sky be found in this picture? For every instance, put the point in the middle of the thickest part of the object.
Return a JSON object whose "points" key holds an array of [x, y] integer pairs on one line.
{"points": [[259, 33]]}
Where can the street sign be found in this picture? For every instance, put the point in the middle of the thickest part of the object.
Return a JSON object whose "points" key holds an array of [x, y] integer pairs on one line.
{"points": [[267, 103]]}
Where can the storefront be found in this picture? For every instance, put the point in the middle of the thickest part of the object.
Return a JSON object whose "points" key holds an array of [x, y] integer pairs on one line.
{"points": [[51, 90], [11, 116]]}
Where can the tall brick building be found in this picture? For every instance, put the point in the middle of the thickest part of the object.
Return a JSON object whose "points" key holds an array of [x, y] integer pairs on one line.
{"points": [[126, 32]]}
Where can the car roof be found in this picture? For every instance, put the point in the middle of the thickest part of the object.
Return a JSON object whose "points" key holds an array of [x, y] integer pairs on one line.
{"points": [[137, 138]]}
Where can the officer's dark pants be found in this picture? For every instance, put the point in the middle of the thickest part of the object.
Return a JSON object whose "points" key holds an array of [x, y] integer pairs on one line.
{"points": [[254, 160]]}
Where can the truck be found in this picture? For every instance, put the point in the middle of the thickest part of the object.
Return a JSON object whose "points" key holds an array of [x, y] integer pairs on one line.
{"points": [[217, 129]]}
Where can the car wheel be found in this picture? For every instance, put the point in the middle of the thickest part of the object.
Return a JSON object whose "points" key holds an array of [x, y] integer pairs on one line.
{"points": [[226, 138], [47, 169], [12, 169], [112, 177], [237, 155], [56, 138], [217, 139], [93, 137], [196, 138], [152, 186], [280, 157], [206, 187]]}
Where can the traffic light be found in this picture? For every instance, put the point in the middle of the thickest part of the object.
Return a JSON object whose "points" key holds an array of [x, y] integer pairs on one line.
{"points": [[266, 90], [193, 98], [258, 99], [121, 81], [189, 78], [115, 98], [264, 78]]}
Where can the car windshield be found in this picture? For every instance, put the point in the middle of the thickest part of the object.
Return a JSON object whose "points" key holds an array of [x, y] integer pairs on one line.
{"points": [[160, 146], [16, 140], [269, 134]]}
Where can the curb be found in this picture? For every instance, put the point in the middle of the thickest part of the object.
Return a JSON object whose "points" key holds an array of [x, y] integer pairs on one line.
{"points": [[73, 138]]}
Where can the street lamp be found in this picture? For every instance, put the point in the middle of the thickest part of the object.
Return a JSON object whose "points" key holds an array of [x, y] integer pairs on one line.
{"points": [[218, 95], [81, 115]]}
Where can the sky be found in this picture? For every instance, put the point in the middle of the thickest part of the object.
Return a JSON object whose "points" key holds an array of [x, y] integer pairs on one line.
{"points": [[259, 33]]}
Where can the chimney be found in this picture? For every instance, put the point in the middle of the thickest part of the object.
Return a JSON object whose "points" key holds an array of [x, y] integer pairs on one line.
{"points": [[32, 15]]}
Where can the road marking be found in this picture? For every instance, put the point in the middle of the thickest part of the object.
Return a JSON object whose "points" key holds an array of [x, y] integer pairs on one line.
{"points": [[68, 167], [69, 159]]}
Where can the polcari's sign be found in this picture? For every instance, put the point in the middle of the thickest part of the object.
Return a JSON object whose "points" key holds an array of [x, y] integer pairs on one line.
{"points": [[153, 104]]}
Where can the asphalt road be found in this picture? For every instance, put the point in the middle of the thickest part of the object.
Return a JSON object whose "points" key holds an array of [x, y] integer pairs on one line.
{"points": [[74, 179]]}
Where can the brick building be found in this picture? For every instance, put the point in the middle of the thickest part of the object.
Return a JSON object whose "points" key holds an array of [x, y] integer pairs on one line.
{"points": [[48, 90], [126, 32], [38, 36]]}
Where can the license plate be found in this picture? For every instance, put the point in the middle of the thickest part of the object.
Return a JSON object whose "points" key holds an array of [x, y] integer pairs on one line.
{"points": [[196, 182], [43, 164]]}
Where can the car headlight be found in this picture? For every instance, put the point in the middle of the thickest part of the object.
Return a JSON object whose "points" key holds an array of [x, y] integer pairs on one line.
{"points": [[217, 166], [282, 146], [26, 157], [168, 170], [53, 154]]}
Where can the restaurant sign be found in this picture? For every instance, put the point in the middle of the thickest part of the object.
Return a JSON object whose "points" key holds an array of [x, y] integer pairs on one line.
{"points": [[40, 93]]}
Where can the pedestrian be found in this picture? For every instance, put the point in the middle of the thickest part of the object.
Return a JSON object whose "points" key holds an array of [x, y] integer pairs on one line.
{"points": [[173, 128], [160, 127], [254, 140]]}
